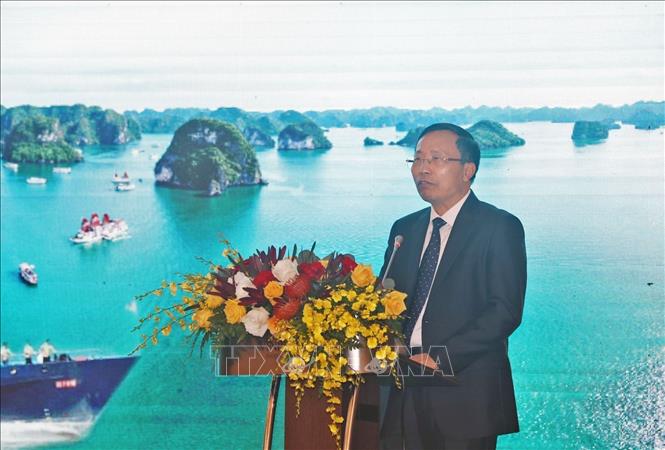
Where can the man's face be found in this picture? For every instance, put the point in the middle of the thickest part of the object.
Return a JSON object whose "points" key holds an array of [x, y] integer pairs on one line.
{"points": [[441, 183]]}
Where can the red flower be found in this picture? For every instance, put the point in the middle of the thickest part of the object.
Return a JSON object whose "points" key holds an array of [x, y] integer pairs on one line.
{"points": [[263, 278], [286, 309], [313, 271], [348, 264], [298, 288]]}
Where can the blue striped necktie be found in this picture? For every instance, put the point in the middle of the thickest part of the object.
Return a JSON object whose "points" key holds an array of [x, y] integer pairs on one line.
{"points": [[425, 278]]}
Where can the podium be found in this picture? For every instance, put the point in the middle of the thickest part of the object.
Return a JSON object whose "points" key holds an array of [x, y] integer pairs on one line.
{"points": [[359, 407]]}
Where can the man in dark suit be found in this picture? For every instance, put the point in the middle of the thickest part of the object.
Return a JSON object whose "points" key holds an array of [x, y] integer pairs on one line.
{"points": [[462, 263]]}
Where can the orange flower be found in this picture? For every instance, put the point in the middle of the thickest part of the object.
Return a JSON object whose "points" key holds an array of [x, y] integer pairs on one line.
{"points": [[273, 324], [362, 275], [273, 290], [393, 302]]}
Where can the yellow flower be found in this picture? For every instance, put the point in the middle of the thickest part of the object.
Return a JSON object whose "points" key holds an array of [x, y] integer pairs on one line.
{"points": [[202, 318], [362, 275], [273, 290], [394, 303], [213, 301], [157, 292], [234, 311], [166, 330], [371, 342], [382, 352], [173, 288]]}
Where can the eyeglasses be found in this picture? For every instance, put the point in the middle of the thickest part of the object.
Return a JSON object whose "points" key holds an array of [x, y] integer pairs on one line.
{"points": [[436, 161]]}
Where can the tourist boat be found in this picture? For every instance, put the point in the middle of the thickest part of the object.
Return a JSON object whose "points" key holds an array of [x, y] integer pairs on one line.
{"points": [[121, 179], [66, 388], [27, 273], [62, 170], [11, 166], [89, 237], [124, 187], [36, 180]]}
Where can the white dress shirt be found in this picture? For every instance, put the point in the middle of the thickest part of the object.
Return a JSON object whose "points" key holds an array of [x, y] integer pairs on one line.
{"points": [[449, 216]]}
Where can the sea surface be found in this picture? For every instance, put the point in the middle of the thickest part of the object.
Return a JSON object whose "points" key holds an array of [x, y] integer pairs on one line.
{"points": [[587, 360]]}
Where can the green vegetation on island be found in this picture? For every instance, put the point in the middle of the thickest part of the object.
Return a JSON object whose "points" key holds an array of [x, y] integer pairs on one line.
{"points": [[487, 133], [368, 142], [407, 119], [410, 139], [171, 119], [303, 136], [645, 120], [257, 138], [74, 126], [208, 154], [39, 139], [490, 134], [589, 131]]}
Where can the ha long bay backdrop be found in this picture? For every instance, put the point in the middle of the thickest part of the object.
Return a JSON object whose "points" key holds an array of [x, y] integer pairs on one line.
{"points": [[587, 358]]}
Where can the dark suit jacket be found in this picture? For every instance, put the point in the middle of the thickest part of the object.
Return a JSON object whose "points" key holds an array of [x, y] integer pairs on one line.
{"points": [[475, 303]]}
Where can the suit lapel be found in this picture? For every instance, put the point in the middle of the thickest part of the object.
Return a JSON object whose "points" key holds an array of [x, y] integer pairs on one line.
{"points": [[416, 239], [462, 230]]}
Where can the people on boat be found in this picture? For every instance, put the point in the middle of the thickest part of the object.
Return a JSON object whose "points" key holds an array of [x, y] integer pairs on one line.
{"points": [[95, 229], [85, 225], [5, 354], [94, 220], [46, 350], [28, 352]]}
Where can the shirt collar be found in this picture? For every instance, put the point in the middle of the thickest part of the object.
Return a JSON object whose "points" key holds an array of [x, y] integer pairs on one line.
{"points": [[450, 215]]}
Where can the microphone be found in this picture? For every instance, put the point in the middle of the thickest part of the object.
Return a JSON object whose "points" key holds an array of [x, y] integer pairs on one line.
{"points": [[389, 283]]}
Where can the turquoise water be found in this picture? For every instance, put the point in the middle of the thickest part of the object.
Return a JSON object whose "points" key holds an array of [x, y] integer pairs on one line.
{"points": [[587, 359]]}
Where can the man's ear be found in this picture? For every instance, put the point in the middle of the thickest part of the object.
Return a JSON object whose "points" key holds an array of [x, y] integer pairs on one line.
{"points": [[469, 171]]}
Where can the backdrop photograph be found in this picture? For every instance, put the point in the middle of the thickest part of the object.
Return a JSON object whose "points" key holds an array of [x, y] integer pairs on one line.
{"points": [[154, 152]]}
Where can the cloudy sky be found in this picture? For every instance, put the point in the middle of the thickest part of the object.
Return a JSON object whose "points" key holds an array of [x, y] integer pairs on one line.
{"points": [[310, 55]]}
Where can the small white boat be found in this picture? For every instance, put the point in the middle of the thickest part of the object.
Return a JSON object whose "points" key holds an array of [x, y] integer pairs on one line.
{"points": [[62, 170], [135, 152], [27, 273], [11, 166], [36, 180], [121, 179], [154, 157], [124, 187], [89, 237]]}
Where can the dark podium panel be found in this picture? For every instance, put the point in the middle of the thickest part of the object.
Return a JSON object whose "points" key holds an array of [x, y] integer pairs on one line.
{"points": [[310, 430], [360, 429]]}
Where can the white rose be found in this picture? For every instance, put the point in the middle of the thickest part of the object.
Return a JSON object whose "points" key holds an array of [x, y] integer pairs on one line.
{"points": [[241, 282], [256, 321], [285, 270]]}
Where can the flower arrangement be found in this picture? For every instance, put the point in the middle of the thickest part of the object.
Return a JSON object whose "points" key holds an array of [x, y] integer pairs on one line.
{"points": [[315, 308]]}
